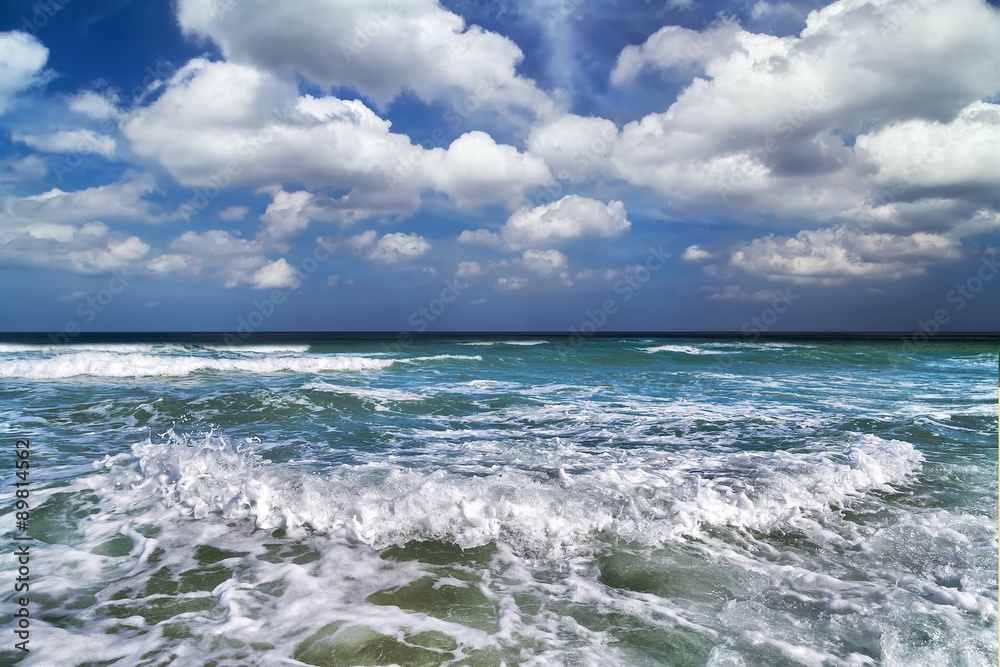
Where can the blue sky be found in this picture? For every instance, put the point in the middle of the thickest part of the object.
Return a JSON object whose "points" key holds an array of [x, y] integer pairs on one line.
{"points": [[209, 165]]}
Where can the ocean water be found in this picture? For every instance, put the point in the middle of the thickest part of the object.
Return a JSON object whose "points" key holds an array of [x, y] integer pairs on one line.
{"points": [[625, 502]]}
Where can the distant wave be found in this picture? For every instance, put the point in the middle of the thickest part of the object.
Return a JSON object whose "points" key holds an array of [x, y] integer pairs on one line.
{"points": [[377, 394], [135, 364], [441, 357], [259, 349], [686, 349]]}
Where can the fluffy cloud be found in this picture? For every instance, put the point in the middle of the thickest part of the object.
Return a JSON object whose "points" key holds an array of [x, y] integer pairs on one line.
{"points": [[220, 123], [379, 49], [695, 254], [673, 46], [545, 263], [398, 247], [94, 105], [215, 243], [22, 58], [278, 274], [475, 170], [569, 218], [830, 256], [233, 213], [763, 9], [363, 240], [737, 293], [511, 283], [214, 115], [287, 215], [596, 274], [223, 256], [469, 269], [88, 249], [71, 141], [480, 237], [960, 159], [768, 126], [108, 256], [28, 168], [122, 200], [575, 148]]}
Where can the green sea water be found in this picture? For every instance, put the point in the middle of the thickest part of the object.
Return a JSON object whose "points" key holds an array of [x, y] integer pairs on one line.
{"points": [[490, 502]]}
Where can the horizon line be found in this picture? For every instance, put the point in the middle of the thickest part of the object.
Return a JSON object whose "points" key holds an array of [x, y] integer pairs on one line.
{"points": [[234, 337]]}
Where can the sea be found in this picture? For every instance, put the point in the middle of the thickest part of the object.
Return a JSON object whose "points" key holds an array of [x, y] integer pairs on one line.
{"points": [[724, 502]]}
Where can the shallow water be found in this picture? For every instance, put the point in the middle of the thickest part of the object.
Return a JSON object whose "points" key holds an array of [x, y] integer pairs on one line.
{"points": [[624, 502]]}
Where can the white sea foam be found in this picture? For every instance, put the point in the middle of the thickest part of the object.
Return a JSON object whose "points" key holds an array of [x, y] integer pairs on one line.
{"points": [[134, 364], [380, 395], [443, 357], [196, 487], [686, 349], [382, 504], [619, 520], [546, 528], [8, 348], [498, 386], [118, 348], [259, 349]]}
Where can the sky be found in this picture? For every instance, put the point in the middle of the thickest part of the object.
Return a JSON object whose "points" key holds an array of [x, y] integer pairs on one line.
{"points": [[464, 165]]}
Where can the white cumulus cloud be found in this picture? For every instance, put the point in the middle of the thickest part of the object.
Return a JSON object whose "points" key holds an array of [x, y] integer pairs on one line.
{"points": [[511, 283], [569, 218], [94, 105], [398, 247], [475, 170], [765, 123], [695, 254], [378, 48], [545, 263], [22, 58], [278, 274], [223, 256], [233, 213], [71, 141], [830, 256], [469, 269], [91, 248], [221, 123]]}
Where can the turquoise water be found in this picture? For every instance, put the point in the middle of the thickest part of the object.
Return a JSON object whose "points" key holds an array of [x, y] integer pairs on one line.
{"points": [[625, 502]]}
